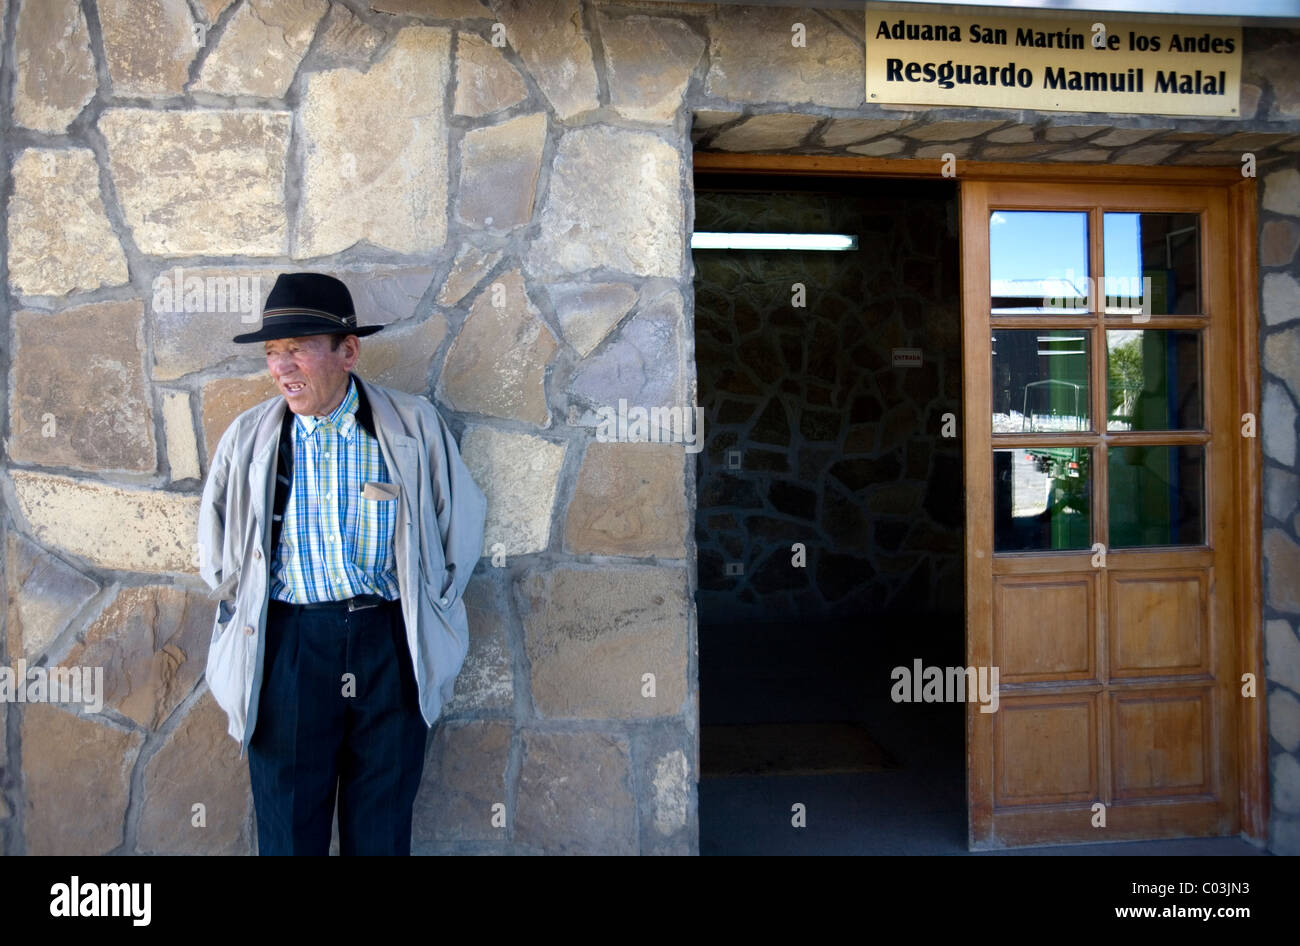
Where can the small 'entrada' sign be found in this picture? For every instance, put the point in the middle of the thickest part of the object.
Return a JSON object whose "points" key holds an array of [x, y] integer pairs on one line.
{"points": [[1075, 62], [907, 357]]}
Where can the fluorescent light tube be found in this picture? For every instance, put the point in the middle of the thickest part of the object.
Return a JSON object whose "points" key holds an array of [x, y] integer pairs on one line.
{"points": [[773, 241]]}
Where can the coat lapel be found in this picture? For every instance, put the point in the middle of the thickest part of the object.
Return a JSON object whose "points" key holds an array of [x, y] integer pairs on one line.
{"points": [[401, 453], [261, 473], [399, 449]]}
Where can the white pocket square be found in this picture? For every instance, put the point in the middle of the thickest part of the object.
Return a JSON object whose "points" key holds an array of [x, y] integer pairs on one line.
{"points": [[379, 491]]}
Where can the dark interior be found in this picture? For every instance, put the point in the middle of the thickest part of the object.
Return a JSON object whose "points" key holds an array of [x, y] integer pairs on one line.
{"points": [[814, 438]]}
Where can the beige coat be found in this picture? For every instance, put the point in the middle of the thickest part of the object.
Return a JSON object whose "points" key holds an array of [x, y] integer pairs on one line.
{"points": [[437, 543]]}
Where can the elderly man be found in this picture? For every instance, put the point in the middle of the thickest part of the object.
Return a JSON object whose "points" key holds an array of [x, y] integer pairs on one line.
{"points": [[338, 528]]}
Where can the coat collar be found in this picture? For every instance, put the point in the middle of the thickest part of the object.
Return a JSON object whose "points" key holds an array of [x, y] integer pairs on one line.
{"points": [[377, 413], [365, 414]]}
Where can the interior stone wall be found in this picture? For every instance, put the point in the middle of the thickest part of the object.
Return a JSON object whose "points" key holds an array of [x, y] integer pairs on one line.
{"points": [[505, 185], [839, 450]]}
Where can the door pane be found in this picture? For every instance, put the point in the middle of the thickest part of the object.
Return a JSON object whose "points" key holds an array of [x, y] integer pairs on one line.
{"points": [[1038, 261], [1157, 496], [1041, 499], [1153, 379], [1162, 248], [1040, 380]]}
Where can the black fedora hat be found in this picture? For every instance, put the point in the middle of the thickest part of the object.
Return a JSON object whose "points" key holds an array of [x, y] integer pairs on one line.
{"points": [[307, 304]]}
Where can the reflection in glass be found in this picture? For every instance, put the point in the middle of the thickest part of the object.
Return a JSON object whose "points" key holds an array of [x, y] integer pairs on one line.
{"points": [[1041, 499], [1040, 380], [1153, 264], [1157, 496], [1038, 261], [1153, 380]]}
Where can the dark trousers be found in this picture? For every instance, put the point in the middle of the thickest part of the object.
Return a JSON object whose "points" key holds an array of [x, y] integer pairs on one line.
{"points": [[339, 709]]}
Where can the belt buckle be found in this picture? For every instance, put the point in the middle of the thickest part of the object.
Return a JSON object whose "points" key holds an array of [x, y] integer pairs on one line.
{"points": [[354, 606]]}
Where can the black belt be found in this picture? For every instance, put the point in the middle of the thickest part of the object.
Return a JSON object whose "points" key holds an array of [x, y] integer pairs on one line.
{"points": [[359, 603]]}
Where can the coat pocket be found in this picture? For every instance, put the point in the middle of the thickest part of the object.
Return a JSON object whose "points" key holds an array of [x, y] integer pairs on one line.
{"points": [[226, 590], [437, 584], [227, 672], [445, 636]]}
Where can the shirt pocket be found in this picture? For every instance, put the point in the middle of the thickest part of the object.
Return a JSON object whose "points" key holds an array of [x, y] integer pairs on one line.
{"points": [[374, 525]]}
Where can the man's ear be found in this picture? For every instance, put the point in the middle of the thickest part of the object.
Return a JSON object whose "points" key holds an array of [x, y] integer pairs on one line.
{"points": [[351, 351]]}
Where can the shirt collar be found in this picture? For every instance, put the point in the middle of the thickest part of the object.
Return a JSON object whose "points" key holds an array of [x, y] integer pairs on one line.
{"points": [[343, 418]]}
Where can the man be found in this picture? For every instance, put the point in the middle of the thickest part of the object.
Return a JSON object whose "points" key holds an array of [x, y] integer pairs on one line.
{"points": [[339, 527]]}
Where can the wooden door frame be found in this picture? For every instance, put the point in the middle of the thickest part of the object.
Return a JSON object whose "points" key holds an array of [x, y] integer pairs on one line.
{"points": [[1252, 730]]}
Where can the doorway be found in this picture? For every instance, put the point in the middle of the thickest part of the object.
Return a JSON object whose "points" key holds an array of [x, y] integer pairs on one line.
{"points": [[829, 519], [1162, 631]]}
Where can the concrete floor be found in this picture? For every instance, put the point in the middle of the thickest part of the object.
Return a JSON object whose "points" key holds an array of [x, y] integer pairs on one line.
{"points": [[785, 673]]}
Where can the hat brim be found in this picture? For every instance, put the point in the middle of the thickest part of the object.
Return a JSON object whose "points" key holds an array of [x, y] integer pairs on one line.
{"points": [[295, 329]]}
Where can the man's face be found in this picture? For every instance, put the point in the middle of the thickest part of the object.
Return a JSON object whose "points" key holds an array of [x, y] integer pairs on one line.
{"points": [[312, 378]]}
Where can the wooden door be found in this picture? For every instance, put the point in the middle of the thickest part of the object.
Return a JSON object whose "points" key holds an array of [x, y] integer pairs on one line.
{"points": [[1103, 464]]}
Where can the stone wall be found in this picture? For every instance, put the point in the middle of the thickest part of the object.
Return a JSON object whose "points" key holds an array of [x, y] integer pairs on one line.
{"points": [[522, 241], [838, 449], [507, 187], [1279, 343]]}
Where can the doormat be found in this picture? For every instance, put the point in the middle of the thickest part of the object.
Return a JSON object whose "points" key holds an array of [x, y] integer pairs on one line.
{"points": [[790, 749]]}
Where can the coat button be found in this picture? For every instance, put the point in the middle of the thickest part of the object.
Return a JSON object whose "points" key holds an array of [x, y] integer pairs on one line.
{"points": [[257, 553], [444, 602], [248, 629]]}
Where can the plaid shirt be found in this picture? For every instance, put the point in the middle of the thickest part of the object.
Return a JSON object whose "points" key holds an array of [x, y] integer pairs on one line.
{"points": [[335, 543]]}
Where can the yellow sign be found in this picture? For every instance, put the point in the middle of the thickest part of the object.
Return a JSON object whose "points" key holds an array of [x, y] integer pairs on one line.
{"points": [[1072, 62]]}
